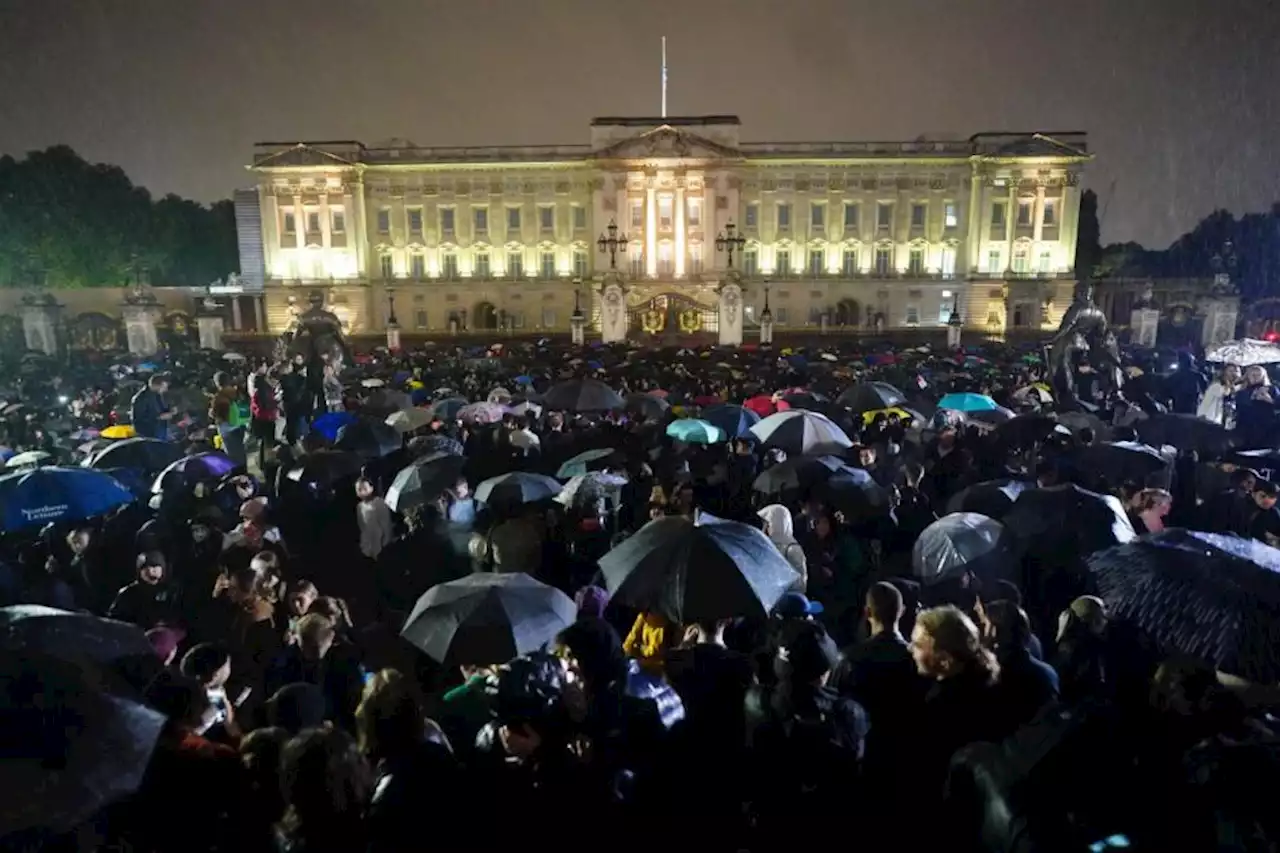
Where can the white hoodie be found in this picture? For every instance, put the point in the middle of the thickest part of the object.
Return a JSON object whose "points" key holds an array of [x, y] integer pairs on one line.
{"points": [[780, 529]]}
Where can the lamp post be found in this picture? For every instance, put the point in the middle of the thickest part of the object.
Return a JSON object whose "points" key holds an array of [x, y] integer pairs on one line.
{"points": [[766, 319], [954, 324], [613, 244], [578, 320], [393, 325], [729, 241]]}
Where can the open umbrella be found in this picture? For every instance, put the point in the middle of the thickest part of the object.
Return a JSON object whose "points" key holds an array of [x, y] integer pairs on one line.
{"points": [[582, 395], [369, 439], [1186, 432], [448, 408], [1061, 525], [482, 413], [35, 498], [147, 454], [425, 445], [408, 420], [695, 431], [736, 421], [586, 490], [1211, 596], [694, 573], [518, 487], [1110, 464], [867, 396], [801, 433], [70, 746], [960, 543], [119, 431], [798, 472], [31, 458], [1244, 352], [75, 637], [486, 619], [647, 406], [583, 462], [326, 466], [424, 480], [854, 492], [967, 402], [329, 423], [200, 467], [992, 498]]}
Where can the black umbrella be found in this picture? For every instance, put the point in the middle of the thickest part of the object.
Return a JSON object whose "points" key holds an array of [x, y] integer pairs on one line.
{"points": [[149, 454], [1062, 524], [326, 466], [518, 487], [801, 433], [424, 480], [426, 445], [1186, 432], [960, 543], [992, 498], [869, 396], [1212, 596], [1107, 465], [799, 472], [1026, 430], [70, 636], [70, 747], [198, 468], [488, 618], [854, 492], [369, 439], [582, 395], [694, 573], [647, 406]]}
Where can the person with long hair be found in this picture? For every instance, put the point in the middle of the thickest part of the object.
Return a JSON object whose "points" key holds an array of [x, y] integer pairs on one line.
{"points": [[326, 783]]}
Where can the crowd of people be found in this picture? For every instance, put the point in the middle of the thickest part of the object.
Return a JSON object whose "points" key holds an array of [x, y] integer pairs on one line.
{"points": [[884, 697]]}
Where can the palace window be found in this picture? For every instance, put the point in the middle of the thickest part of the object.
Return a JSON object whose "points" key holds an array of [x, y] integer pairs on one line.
{"points": [[751, 262], [579, 262], [695, 258], [997, 214], [313, 222], [780, 316], [449, 266], [782, 262], [446, 220], [915, 261], [851, 217], [817, 216], [695, 213], [784, 217], [515, 264], [918, 212], [995, 261], [666, 259], [637, 213], [384, 220], [417, 265], [548, 318], [1024, 213], [664, 212], [950, 215], [635, 260], [913, 315], [1050, 216], [849, 263], [1046, 261], [944, 307], [884, 215], [420, 318], [386, 266], [579, 218], [415, 221], [547, 264], [513, 219], [480, 219], [948, 262], [1020, 261], [817, 261], [289, 225], [751, 215], [547, 218], [482, 269], [337, 220], [884, 260]]}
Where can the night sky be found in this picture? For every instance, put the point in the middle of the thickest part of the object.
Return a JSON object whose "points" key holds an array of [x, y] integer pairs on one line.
{"points": [[1180, 97]]}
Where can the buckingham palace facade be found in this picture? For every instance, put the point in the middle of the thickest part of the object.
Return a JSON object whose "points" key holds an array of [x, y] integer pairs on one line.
{"points": [[852, 236]]}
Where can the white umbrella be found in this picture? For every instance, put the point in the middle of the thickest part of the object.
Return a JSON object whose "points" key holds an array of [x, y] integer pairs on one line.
{"points": [[372, 383], [1246, 352], [233, 356], [525, 407], [31, 457]]}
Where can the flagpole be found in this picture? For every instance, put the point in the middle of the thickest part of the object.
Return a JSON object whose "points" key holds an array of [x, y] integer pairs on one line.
{"points": [[664, 76]]}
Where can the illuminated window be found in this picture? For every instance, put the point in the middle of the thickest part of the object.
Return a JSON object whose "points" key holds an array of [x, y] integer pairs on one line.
{"points": [[513, 219], [784, 217], [918, 212], [817, 260], [480, 217], [780, 316], [482, 268], [579, 218], [695, 258], [1046, 261], [1020, 260], [1050, 213], [580, 262], [695, 213], [782, 265], [751, 262], [417, 266], [547, 264], [664, 212], [851, 217], [290, 226], [515, 264], [950, 217], [915, 262], [818, 216], [313, 222], [997, 214], [884, 259], [884, 215], [944, 308], [666, 259], [752, 215], [386, 266], [635, 260], [849, 263], [449, 266], [913, 315], [415, 221], [337, 220], [547, 218], [948, 262], [548, 318], [446, 220], [995, 261], [637, 213], [1024, 213]]}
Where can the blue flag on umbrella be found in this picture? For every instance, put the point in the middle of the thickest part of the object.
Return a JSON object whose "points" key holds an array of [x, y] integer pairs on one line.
{"points": [[35, 498]]}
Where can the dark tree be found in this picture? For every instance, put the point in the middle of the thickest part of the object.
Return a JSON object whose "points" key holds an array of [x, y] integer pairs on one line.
{"points": [[1088, 237]]}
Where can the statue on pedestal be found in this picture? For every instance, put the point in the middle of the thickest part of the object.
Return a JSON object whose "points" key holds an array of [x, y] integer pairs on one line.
{"points": [[316, 335], [1083, 330]]}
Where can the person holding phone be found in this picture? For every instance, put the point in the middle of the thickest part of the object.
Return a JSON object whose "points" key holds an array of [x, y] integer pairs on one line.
{"points": [[210, 664]]}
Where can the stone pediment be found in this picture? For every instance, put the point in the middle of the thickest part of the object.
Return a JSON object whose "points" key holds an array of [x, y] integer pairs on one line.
{"points": [[300, 155], [668, 142], [1037, 145]]}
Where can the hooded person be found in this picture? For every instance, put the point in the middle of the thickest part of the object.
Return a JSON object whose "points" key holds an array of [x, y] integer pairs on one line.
{"points": [[779, 527]]}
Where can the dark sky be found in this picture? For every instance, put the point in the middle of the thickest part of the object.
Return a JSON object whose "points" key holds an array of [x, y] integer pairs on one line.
{"points": [[1179, 96]]}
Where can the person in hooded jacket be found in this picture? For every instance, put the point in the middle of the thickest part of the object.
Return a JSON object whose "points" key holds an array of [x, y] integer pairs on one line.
{"points": [[150, 600], [780, 528]]}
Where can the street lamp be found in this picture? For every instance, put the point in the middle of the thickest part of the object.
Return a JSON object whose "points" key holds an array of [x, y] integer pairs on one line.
{"points": [[393, 325], [766, 319], [730, 241], [577, 320], [613, 244]]}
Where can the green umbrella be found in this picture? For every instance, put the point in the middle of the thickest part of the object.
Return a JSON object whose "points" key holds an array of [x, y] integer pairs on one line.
{"points": [[695, 431]]}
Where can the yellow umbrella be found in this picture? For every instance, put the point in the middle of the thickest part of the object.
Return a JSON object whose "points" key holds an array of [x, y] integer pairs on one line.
{"points": [[868, 417], [119, 431]]}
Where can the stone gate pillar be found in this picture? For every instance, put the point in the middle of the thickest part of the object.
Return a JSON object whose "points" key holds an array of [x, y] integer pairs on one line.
{"points": [[613, 309], [730, 307], [41, 320], [141, 311]]}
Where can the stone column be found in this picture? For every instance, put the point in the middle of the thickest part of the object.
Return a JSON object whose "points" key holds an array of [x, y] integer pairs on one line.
{"points": [[209, 324], [731, 312], [141, 314], [1220, 315], [613, 309], [578, 320], [40, 322]]}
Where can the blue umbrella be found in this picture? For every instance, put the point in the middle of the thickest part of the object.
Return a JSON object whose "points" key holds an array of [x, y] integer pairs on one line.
{"points": [[524, 380], [35, 498], [735, 420], [967, 402], [695, 431], [329, 423]]}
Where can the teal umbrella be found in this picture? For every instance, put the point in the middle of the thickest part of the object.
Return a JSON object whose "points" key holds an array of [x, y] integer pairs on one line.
{"points": [[695, 431], [967, 402], [582, 463]]}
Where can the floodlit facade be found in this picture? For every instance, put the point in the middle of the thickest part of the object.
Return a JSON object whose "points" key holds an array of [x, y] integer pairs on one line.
{"points": [[843, 235]]}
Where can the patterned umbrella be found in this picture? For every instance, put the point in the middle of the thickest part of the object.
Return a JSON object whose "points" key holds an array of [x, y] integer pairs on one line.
{"points": [[482, 413], [518, 487], [801, 433], [1212, 596], [1244, 352], [959, 543]]}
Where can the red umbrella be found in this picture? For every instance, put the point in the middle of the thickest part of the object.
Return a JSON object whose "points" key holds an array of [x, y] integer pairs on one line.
{"points": [[658, 392], [761, 404], [707, 400]]}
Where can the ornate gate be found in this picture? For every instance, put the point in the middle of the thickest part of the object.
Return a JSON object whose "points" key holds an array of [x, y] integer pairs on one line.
{"points": [[673, 314]]}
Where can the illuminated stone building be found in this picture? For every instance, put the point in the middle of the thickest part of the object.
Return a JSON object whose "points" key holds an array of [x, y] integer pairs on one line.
{"points": [[851, 236]]}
